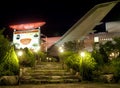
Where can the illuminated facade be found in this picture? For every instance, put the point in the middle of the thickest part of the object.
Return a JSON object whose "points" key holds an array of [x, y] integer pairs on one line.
{"points": [[101, 37], [27, 35], [27, 38]]}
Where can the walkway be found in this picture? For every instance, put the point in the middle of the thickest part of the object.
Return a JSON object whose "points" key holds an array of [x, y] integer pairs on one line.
{"points": [[73, 85]]}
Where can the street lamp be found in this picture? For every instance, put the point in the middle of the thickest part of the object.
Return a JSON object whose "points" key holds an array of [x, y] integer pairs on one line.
{"points": [[82, 54]]}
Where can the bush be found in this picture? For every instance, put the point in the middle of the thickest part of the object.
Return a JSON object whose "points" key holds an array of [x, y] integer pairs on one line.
{"points": [[42, 56], [63, 56], [27, 59], [85, 65], [9, 64], [98, 59], [73, 62], [115, 64]]}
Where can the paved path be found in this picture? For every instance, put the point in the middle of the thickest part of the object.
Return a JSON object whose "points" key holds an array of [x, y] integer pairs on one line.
{"points": [[76, 85]]}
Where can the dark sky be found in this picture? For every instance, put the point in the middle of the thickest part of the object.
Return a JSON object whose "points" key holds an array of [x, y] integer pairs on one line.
{"points": [[59, 15]]}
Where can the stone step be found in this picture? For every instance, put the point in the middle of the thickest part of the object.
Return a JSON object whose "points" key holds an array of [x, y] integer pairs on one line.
{"points": [[53, 63], [48, 67], [49, 64], [42, 74], [45, 70], [44, 81], [39, 70], [50, 77], [47, 73]]}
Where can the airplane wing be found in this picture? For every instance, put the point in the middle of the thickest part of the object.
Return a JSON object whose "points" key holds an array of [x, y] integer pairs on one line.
{"points": [[87, 23]]}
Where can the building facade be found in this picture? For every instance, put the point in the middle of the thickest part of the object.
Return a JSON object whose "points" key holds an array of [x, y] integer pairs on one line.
{"points": [[101, 37]]}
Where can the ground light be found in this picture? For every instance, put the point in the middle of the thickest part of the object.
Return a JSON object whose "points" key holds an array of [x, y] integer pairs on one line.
{"points": [[19, 53], [82, 54], [36, 53]]}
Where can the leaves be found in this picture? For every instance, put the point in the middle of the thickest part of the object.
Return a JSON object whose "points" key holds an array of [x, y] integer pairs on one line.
{"points": [[9, 64]]}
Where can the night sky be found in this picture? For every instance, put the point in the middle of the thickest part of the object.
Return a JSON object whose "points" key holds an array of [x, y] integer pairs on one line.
{"points": [[59, 15]]}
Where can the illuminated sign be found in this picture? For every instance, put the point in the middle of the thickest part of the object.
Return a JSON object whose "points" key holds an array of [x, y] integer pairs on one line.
{"points": [[27, 38]]}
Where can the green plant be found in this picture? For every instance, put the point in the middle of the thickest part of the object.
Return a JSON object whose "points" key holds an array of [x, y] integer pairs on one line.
{"points": [[98, 58], [115, 64], [85, 65], [10, 64], [73, 62], [88, 65], [28, 57], [42, 55], [73, 46]]}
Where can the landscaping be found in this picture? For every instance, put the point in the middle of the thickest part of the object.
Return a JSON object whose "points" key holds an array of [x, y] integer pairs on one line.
{"points": [[101, 65]]}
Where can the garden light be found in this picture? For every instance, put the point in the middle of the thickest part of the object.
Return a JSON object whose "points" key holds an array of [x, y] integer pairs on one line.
{"points": [[20, 53], [82, 54]]}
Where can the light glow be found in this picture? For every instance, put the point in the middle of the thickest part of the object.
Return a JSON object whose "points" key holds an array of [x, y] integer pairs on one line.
{"points": [[82, 54], [20, 53], [61, 49]]}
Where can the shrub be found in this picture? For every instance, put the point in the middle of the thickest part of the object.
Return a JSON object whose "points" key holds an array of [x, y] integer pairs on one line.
{"points": [[42, 55], [73, 62], [9, 64], [115, 64], [63, 56], [27, 59], [98, 58], [85, 65]]}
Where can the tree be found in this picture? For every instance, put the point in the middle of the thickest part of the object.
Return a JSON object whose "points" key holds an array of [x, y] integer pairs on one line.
{"points": [[108, 58], [73, 46], [117, 46], [9, 64], [4, 45]]}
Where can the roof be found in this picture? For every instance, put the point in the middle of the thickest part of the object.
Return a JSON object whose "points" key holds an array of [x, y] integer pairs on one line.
{"points": [[27, 26]]}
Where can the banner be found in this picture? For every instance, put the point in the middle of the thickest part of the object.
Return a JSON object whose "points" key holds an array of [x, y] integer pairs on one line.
{"points": [[27, 38]]}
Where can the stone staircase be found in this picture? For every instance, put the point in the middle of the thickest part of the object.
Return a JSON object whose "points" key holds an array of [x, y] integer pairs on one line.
{"points": [[47, 72]]}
